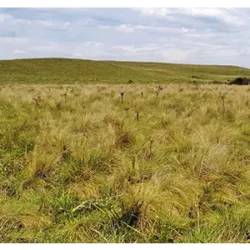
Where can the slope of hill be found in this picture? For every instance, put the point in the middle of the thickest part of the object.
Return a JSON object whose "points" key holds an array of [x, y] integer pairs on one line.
{"points": [[70, 71]]}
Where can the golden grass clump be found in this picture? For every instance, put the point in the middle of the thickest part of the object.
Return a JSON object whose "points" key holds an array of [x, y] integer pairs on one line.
{"points": [[124, 163]]}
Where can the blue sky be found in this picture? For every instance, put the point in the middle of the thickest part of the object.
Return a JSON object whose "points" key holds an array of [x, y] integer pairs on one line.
{"points": [[179, 35]]}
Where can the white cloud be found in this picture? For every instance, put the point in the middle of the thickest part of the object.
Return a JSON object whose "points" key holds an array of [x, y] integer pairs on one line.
{"points": [[4, 17], [138, 49], [226, 15], [18, 51], [155, 11], [188, 35], [175, 55], [13, 40], [126, 28], [209, 12], [92, 44]]}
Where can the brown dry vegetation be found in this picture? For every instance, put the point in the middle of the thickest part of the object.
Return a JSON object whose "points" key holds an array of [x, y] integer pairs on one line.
{"points": [[170, 164]]}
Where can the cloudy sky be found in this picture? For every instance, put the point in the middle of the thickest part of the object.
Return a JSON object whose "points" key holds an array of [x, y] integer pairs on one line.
{"points": [[179, 35]]}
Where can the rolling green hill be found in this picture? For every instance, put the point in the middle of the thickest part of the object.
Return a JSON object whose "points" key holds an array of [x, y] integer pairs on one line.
{"points": [[71, 71]]}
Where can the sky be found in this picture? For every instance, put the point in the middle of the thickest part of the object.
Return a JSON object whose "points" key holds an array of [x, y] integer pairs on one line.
{"points": [[175, 35]]}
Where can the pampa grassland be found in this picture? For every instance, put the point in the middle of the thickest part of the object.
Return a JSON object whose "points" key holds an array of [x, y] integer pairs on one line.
{"points": [[82, 162]]}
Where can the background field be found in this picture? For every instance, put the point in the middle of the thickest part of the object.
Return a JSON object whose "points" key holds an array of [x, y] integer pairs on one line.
{"points": [[72, 71], [79, 164]]}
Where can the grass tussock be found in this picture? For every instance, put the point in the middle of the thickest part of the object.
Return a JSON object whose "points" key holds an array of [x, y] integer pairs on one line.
{"points": [[155, 164]]}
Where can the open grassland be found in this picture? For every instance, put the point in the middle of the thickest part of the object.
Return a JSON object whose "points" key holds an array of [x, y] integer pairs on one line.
{"points": [[85, 163], [72, 71]]}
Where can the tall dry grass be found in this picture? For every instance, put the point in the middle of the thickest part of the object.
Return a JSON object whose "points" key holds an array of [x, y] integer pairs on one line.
{"points": [[80, 164]]}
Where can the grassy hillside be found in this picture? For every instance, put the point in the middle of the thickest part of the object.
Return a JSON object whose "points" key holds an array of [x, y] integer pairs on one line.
{"points": [[71, 71], [78, 164]]}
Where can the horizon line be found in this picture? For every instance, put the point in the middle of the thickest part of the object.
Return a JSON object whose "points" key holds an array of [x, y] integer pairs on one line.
{"points": [[125, 61]]}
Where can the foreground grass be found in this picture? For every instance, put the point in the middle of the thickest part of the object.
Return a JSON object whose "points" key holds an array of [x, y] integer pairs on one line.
{"points": [[79, 164], [72, 71]]}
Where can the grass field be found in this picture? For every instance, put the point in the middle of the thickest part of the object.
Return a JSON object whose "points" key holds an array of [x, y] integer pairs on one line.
{"points": [[86, 163], [72, 71]]}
